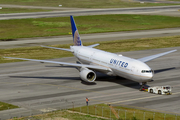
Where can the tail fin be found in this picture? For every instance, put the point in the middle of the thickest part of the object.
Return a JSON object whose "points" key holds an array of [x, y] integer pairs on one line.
{"points": [[76, 37]]}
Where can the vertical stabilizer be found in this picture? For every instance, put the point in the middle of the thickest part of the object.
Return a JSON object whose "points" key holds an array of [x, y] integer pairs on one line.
{"points": [[76, 37]]}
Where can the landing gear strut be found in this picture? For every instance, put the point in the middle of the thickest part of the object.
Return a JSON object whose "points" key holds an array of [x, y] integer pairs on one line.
{"points": [[143, 83]]}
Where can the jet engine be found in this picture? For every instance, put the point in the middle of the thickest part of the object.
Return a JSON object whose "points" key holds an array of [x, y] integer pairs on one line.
{"points": [[87, 75]]}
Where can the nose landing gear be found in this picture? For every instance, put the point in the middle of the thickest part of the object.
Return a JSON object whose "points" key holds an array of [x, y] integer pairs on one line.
{"points": [[143, 83]]}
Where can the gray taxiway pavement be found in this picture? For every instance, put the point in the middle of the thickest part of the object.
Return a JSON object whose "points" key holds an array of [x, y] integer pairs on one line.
{"points": [[80, 12], [44, 87], [37, 7]]}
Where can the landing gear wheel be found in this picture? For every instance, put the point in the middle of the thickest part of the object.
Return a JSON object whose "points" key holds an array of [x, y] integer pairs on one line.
{"points": [[159, 92], [151, 91], [144, 83]]}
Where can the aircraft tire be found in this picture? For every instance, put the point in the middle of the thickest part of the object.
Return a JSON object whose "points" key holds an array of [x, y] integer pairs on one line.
{"points": [[151, 91], [159, 92]]}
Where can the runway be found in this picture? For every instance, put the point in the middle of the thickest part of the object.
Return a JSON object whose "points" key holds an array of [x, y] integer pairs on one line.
{"points": [[44, 87], [81, 12]]}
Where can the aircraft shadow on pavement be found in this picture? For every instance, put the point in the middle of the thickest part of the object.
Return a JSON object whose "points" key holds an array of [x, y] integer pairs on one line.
{"points": [[100, 77], [56, 78], [118, 80]]}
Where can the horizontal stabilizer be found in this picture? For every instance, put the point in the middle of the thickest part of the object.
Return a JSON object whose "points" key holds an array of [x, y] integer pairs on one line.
{"points": [[94, 45], [149, 58], [57, 48]]}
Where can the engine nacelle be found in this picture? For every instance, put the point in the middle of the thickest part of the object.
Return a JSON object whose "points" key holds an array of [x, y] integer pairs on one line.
{"points": [[87, 75]]}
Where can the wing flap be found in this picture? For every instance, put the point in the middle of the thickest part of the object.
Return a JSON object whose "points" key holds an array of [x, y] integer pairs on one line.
{"points": [[64, 63], [149, 58]]}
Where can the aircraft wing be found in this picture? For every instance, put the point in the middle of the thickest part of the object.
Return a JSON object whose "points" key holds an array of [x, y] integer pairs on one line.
{"points": [[94, 45], [57, 48], [149, 58], [67, 64]]}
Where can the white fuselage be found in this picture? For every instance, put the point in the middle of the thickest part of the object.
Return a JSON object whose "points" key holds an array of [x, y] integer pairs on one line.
{"points": [[120, 65]]}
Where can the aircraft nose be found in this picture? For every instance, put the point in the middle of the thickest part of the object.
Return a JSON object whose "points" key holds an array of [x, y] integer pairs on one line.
{"points": [[151, 76]]}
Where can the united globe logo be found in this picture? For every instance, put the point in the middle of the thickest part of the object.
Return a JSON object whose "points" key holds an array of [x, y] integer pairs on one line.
{"points": [[77, 40]]}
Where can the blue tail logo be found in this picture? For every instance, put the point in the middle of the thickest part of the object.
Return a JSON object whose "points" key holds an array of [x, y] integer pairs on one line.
{"points": [[76, 37]]}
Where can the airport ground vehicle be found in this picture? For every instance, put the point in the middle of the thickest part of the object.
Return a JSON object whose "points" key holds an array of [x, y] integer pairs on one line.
{"points": [[144, 88], [160, 90]]}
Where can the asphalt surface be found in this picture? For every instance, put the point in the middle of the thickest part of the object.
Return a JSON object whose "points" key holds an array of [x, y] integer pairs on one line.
{"points": [[37, 7], [90, 38], [38, 88], [80, 12]]}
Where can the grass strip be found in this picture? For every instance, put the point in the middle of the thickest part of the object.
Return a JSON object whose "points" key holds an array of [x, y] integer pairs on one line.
{"points": [[6, 106], [110, 46], [102, 112], [42, 27], [174, 0], [124, 113], [82, 3], [20, 10], [60, 115]]}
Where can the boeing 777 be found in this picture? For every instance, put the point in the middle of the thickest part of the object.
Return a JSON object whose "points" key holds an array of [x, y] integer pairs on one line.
{"points": [[92, 60]]}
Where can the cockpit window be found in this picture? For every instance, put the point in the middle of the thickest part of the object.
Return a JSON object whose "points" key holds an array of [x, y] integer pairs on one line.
{"points": [[146, 71]]}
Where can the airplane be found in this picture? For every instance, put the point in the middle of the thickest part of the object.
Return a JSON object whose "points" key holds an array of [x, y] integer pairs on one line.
{"points": [[92, 60]]}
